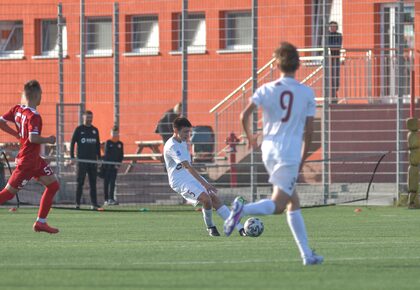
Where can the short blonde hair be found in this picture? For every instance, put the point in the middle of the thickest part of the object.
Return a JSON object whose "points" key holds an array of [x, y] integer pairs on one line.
{"points": [[31, 89]]}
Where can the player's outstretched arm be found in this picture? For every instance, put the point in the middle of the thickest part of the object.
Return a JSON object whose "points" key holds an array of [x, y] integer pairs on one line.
{"points": [[4, 127], [245, 119], [210, 188], [35, 138]]}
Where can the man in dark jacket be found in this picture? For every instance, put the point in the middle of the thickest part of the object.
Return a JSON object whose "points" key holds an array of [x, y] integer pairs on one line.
{"points": [[88, 148], [114, 152], [164, 127], [334, 42]]}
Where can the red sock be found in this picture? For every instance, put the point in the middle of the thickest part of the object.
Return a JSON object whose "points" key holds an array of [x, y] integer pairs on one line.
{"points": [[5, 195], [47, 199]]}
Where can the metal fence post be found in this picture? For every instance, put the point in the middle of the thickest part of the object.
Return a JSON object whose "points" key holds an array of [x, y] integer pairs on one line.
{"points": [[216, 131], [325, 127], [59, 114], [82, 60], [254, 168], [369, 76], [116, 64], [399, 31], [184, 18]]}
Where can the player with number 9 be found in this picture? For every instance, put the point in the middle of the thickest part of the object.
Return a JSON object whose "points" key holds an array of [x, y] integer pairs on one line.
{"points": [[29, 164], [288, 113]]}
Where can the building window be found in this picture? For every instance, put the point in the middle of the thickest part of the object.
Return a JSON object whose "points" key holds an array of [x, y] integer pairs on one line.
{"points": [[238, 31], [11, 39], [195, 33], [145, 35], [99, 36], [49, 38]]}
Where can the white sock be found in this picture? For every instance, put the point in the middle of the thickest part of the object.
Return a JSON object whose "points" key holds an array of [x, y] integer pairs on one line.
{"points": [[41, 220], [224, 213], [297, 227], [208, 217], [262, 207]]}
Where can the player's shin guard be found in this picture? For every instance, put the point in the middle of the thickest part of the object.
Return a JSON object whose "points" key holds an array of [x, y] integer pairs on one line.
{"points": [[47, 199], [262, 207], [5, 195], [208, 217], [297, 227]]}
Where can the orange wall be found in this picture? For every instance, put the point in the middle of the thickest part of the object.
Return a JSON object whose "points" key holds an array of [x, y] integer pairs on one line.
{"points": [[149, 84]]}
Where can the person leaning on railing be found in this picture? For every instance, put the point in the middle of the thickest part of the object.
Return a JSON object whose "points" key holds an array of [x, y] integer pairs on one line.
{"points": [[334, 41]]}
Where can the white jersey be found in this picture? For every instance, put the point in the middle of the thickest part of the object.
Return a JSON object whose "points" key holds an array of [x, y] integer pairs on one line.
{"points": [[174, 153], [286, 104]]}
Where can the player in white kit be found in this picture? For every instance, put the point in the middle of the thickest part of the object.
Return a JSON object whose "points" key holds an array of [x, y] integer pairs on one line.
{"points": [[288, 112], [186, 181]]}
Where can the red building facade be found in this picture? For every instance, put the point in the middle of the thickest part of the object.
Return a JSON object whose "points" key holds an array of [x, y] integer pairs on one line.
{"points": [[150, 81]]}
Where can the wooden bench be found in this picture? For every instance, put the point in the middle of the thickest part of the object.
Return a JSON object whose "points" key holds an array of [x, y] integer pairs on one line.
{"points": [[153, 145]]}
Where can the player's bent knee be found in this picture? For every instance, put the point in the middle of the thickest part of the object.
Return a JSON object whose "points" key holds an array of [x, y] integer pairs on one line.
{"points": [[205, 200], [280, 206], [11, 189], [279, 210], [55, 186], [217, 203]]}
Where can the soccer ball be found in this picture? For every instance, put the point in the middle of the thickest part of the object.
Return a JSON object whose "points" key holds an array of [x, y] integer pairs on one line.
{"points": [[253, 227]]}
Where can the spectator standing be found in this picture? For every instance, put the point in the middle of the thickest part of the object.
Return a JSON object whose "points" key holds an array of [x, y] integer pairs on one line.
{"points": [[114, 152], [88, 148], [334, 42]]}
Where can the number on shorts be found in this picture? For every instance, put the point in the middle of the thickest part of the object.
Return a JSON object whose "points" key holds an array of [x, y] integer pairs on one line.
{"points": [[286, 105], [47, 170]]}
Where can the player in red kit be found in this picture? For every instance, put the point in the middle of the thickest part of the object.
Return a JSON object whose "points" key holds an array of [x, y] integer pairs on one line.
{"points": [[29, 164]]}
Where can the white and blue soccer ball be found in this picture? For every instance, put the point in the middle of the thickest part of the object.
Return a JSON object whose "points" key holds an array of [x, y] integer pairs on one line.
{"points": [[253, 227]]}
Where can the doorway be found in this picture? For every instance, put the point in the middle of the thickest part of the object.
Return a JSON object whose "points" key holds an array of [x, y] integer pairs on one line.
{"points": [[389, 21]]}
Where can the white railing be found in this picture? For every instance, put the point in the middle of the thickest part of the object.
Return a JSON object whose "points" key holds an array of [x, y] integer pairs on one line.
{"points": [[227, 111], [364, 78]]}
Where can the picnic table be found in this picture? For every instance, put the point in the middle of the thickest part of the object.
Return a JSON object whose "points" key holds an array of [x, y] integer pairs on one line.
{"points": [[139, 155]]}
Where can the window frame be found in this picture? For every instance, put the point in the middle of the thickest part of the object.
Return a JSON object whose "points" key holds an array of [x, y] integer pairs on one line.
{"points": [[12, 54], [52, 53], [144, 50], [97, 52], [231, 15], [191, 49]]}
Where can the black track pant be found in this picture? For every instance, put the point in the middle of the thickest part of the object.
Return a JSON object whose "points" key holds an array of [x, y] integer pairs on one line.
{"points": [[91, 170], [110, 175]]}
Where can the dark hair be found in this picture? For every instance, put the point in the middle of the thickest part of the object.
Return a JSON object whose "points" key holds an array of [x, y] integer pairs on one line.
{"points": [[333, 22], [87, 113], [181, 122], [287, 57], [31, 88]]}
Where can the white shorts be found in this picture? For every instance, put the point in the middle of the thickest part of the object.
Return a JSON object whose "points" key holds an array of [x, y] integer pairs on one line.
{"points": [[190, 190], [284, 176]]}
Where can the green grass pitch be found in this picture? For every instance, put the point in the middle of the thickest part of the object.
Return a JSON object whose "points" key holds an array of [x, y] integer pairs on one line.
{"points": [[378, 248]]}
